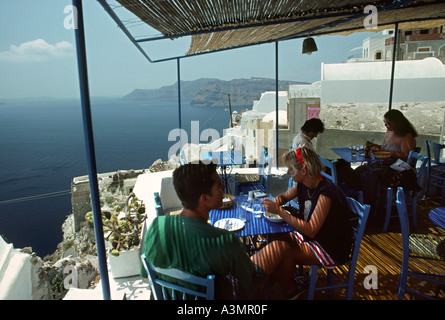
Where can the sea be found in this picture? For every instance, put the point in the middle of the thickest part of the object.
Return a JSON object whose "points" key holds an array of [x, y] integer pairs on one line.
{"points": [[42, 148]]}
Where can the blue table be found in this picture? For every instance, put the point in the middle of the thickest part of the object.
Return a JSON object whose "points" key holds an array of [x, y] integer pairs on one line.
{"points": [[224, 160], [437, 216], [346, 154], [253, 226]]}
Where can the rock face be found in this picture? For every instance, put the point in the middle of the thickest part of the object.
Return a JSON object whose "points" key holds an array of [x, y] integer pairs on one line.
{"points": [[242, 92], [207, 92], [160, 165], [74, 263], [75, 259], [188, 91]]}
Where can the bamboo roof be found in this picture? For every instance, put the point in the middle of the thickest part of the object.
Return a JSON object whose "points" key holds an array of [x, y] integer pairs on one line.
{"points": [[221, 24]]}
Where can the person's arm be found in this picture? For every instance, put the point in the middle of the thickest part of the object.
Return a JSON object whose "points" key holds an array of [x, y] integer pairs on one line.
{"points": [[375, 147], [287, 196], [311, 227], [408, 143], [378, 147]]}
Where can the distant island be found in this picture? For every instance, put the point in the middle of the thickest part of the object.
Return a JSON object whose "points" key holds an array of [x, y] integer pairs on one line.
{"points": [[208, 92]]}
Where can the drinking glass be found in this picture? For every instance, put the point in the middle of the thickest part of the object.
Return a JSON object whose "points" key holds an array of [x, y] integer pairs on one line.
{"points": [[362, 151], [257, 209], [242, 210], [354, 152]]}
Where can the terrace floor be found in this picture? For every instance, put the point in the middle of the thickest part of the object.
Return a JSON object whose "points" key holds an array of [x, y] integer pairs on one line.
{"points": [[384, 251]]}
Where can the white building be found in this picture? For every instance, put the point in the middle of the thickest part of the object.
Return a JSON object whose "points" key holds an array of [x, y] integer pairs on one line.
{"points": [[374, 47]]}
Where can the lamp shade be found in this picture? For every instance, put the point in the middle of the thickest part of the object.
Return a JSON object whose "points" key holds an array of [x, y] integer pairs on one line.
{"points": [[309, 46]]}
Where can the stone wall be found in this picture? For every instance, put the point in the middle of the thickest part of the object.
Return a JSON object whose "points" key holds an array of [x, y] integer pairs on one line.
{"points": [[113, 188], [427, 117]]}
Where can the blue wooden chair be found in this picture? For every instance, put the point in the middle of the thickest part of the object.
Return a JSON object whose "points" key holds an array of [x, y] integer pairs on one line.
{"points": [[263, 181], [436, 169], [171, 290], [412, 195], [158, 205], [348, 269], [332, 175], [416, 246]]}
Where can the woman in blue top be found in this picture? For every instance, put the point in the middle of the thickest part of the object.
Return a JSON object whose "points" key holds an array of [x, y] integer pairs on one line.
{"points": [[324, 232]]}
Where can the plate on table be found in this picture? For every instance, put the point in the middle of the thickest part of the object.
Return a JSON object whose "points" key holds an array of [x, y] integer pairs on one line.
{"points": [[230, 224], [259, 194], [272, 217], [382, 154]]}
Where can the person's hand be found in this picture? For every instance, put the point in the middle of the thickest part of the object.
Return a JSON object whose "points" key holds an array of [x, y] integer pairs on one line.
{"points": [[271, 206], [373, 146]]}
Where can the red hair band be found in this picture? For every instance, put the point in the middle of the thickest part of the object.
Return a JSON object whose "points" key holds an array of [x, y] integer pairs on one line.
{"points": [[300, 159]]}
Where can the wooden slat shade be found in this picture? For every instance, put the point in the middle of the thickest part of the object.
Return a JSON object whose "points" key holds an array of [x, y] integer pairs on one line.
{"points": [[222, 24]]}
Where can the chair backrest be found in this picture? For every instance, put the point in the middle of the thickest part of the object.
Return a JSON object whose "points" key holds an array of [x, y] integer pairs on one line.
{"points": [[411, 161], [264, 168], [404, 228], [362, 213], [403, 216], [182, 159], [332, 174], [290, 183], [158, 205], [165, 290], [437, 149], [264, 162], [423, 164]]}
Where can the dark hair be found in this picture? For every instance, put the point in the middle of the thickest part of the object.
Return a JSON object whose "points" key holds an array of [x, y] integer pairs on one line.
{"points": [[313, 125], [401, 124], [191, 181]]}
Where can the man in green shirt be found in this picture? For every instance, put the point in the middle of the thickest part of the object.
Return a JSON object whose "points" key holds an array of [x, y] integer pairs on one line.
{"points": [[186, 241]]}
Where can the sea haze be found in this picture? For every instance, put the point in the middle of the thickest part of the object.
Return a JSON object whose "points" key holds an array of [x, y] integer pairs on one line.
{"points": [[42, 149]]}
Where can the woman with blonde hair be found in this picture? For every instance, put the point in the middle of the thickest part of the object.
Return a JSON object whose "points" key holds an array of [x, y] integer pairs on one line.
{"points": [[324, 232]]}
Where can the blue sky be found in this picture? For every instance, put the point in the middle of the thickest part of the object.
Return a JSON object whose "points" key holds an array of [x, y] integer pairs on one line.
{"points": [[37, 55]]}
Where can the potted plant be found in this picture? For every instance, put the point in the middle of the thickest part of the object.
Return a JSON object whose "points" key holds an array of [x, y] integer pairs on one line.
{"points": [[122, 232]]}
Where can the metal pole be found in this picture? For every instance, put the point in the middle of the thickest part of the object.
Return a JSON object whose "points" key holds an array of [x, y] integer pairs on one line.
{"points": [[89, 142], [393, 66], [179, 90], [276, 101], [230, 113]]}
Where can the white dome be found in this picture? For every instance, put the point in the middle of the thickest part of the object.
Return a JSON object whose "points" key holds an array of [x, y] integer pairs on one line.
{"points": [[282, 117]]}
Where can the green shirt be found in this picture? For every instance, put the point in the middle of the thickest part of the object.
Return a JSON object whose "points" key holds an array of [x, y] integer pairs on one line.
{"points": [[192, 245]]}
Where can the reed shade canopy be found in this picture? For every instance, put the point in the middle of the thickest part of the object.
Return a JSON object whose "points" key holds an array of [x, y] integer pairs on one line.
{"points": [[221, 24]]}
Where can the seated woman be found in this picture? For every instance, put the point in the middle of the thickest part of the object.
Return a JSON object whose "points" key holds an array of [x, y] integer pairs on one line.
{"points": [[324, 232], [400, 136], [399, 139]]}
